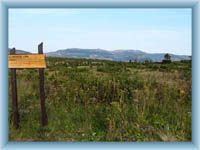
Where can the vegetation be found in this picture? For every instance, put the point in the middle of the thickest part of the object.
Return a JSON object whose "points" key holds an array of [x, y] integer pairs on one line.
{"points": [[95, 100], [167, 58]]}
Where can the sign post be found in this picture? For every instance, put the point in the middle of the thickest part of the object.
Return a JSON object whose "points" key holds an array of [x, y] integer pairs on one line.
{"points": [[27, 61], [14, 94], [44, 119]]}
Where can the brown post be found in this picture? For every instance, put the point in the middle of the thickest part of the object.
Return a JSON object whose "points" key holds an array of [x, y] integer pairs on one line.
{"points": [[44, 119], [14, 94]]}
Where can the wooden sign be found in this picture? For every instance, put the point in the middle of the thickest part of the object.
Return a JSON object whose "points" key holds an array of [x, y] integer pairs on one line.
{"points": [[26, 61], [16, 61]]}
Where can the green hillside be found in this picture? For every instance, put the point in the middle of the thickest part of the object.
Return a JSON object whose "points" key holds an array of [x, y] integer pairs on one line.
{"points": [[95, 100]]}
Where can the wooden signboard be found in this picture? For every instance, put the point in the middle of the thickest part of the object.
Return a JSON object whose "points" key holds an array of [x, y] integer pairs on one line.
{"points": [[27, 61], [16, 61]]}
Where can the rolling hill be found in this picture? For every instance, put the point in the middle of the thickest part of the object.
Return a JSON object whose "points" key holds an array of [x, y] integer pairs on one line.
{"points": [[116, 55]]}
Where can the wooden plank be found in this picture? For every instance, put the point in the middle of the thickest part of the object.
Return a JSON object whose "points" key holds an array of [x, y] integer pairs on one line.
{"points": [[15, 112], [44, 119], [27, 61]]}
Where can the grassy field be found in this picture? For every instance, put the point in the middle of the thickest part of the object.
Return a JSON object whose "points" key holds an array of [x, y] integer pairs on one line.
{"points": [[93, 100]]}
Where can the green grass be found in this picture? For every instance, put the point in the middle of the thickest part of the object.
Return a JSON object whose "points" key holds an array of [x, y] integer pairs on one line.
{"points": [[94, 100]]}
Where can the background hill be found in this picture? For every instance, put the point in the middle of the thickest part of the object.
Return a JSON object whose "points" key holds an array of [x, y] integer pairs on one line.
{"points": [[20, 51], [116, 55]]}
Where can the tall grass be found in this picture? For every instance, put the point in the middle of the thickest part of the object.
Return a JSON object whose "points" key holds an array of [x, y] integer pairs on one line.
{"points": [[93, 100]]}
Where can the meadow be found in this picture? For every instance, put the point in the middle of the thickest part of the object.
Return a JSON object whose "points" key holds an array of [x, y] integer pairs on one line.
{"points": [[99, 100]]}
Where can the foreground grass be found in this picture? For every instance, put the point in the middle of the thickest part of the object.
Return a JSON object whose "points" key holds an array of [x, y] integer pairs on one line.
{"points": [[90, 100]]}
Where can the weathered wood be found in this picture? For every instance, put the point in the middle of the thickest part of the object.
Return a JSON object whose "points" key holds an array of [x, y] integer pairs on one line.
{"points": [[14, 95], [44, 119], [27, 61]]}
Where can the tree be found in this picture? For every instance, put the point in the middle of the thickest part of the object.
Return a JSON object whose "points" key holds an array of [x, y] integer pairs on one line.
{"points": [[167, 58]]}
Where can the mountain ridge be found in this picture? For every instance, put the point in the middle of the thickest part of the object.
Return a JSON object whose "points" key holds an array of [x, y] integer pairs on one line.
{"points": [[114, 55]]}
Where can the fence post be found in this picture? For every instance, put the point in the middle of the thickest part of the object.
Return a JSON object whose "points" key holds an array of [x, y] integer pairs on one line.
{"points": [[14, 94], [44, 119]]}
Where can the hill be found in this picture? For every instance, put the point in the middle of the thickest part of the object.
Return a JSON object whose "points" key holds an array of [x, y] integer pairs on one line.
{"points": [[20, 51], [116, 55]]}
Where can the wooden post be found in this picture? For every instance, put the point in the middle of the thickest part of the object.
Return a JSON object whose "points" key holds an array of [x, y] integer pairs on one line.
{"points": [[44, 119], [14, 95]]}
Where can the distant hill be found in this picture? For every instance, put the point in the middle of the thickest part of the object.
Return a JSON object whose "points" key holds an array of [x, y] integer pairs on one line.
{"points": [[116, 55], [20, 51]]}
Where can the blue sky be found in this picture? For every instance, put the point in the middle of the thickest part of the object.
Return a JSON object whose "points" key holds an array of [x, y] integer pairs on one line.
{"points": [[150, 30]]}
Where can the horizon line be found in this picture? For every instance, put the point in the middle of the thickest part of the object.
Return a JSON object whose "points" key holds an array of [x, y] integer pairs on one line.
{"points": [[107, 50]]}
